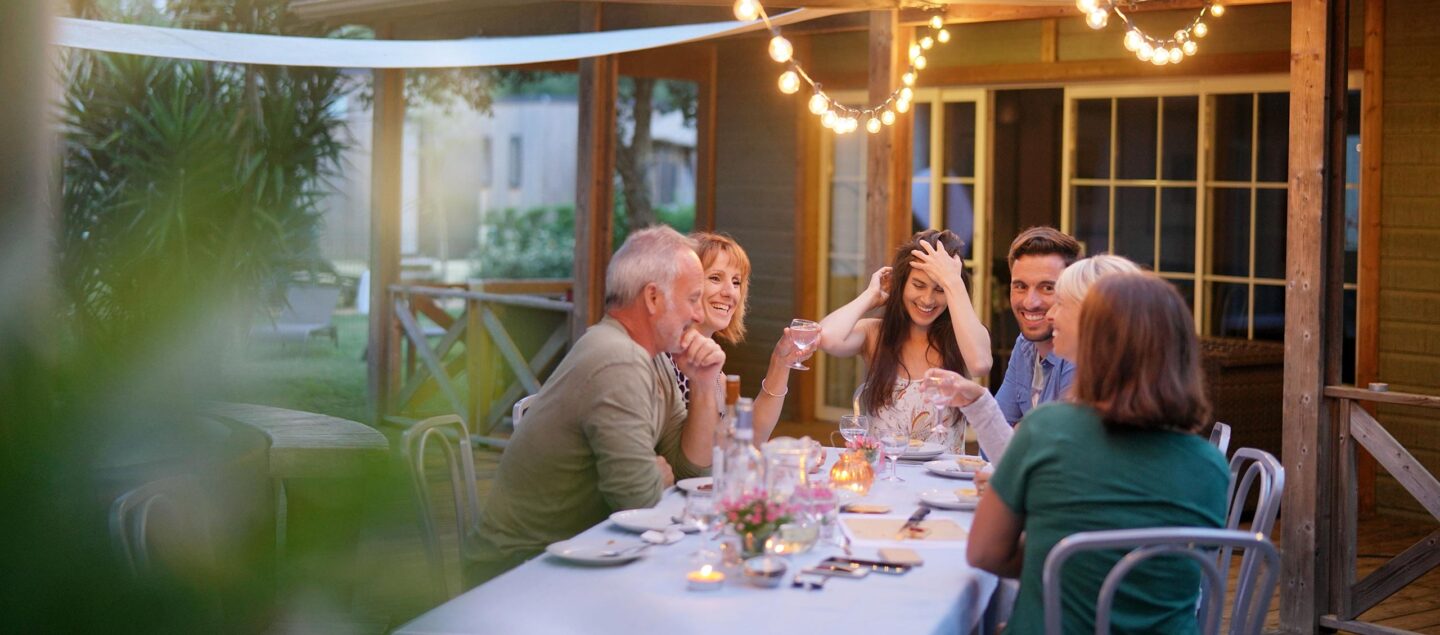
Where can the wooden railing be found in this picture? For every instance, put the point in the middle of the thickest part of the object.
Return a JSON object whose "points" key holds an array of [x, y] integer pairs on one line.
{"points": [[435, 366], [1353, 424]]}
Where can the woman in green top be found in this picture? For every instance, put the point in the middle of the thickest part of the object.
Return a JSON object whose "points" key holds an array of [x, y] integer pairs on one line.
{"points": [[1122, 454]]}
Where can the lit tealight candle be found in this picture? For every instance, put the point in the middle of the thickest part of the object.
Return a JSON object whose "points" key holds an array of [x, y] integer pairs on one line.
{"points": [[706, 579]]}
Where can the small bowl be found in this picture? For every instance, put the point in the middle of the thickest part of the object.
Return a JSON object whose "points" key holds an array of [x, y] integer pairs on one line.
{"points": [[765, 571]]}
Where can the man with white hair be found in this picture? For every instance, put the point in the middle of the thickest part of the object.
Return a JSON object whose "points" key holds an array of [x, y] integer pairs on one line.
{"points": [[610, 429]]}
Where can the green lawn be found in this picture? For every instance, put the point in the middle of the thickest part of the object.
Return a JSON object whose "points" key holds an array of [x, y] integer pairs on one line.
{"points": [[316, 377]]}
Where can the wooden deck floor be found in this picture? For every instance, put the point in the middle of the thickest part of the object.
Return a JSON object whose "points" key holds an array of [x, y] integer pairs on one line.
{"points": [[395, 584]]}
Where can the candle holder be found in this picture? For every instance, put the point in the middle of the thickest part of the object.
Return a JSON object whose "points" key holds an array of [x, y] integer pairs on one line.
{"points": [[765, 571], [708, 578]]}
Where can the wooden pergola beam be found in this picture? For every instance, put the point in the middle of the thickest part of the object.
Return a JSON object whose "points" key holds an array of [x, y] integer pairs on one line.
{"points": [[595, 175], [887, 170], [1315, 216], [386, 175]]}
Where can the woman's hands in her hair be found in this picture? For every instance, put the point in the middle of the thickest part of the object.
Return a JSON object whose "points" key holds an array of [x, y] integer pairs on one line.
{"points": [[943, 268], [786, 353], [879, 289]]}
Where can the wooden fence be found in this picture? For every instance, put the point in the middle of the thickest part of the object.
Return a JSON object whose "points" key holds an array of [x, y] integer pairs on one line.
{"points": [[434, 320], [1353, 424]]}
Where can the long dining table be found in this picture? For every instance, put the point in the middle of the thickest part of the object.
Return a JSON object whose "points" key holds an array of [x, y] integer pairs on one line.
{"points": [[650, 595]]}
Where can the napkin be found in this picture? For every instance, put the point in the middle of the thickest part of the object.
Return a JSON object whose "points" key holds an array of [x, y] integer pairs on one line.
{"points": [[656, 537], [940, 530]]}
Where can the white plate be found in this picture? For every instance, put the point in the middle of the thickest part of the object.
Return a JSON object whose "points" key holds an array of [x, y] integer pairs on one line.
{"points": [[595, 551], [948, 469], [925, 451], [948, 499], [642, 520], [695, 484]]}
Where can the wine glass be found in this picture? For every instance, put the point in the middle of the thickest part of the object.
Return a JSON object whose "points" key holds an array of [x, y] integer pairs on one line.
{"points": [[804, 334], [701, 513], [853, 426], [939, 386], [894, 436]]}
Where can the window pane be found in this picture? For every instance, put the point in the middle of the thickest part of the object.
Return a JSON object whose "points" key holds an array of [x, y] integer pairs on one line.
{"points": [[960, 138], [1186, 288], [1352, 233], [1233, 118], [1135, 224], [920, 157], [1269, 312], [1230, 231], [1269, 234], [1229, 309], [1181, 121], [1137, 121], [1347, 355], [1092, 138], [1092, 218], [960, 213], [1273, 155], [1177, 229]]}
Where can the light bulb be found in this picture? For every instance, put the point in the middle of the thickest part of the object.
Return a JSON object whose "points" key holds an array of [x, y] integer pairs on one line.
{"points": [[907, 94], [936, 22], [818, 104], [789, 82], [1189, 47], [914, 51], [872, 126], [780, 49], [1133, 40], [927, 42], [1098, 18], [1145, 52], [887, 117], [920, 62], [1160, 58], [851, 124], [943, 36], [1176, 55], [828, 119], [1217, 9], [1200, 29], [1086, 6], [902, 106], [1181, 35], [746, 10], [908, 79]]}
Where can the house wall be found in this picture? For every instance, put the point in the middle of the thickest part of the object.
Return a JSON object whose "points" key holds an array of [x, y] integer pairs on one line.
{"points": [[1409, 338], [755, 201]]}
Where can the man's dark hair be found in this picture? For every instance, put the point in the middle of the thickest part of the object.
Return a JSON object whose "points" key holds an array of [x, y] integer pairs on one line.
{"points": [[1044, 241]]}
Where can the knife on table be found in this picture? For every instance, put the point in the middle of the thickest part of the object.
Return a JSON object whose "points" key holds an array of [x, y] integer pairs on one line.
{"points": [[913, 523]]}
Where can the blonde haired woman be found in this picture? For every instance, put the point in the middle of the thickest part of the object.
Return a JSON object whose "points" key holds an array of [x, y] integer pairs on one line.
{"points": [[978, 405]]}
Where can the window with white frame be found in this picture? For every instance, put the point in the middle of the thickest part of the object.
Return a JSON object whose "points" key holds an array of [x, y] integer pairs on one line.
{"points": [[1190, 181]]}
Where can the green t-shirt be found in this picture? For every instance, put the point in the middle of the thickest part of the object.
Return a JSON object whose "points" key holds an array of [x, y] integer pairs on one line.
{"points": [[1065, 472]]}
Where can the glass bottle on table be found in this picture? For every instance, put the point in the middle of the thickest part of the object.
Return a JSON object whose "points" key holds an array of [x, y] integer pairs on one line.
{"points": [[744, 466], [724, 432]]}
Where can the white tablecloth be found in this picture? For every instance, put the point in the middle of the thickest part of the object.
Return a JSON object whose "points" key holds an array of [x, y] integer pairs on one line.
{"points": [[549, 595]]}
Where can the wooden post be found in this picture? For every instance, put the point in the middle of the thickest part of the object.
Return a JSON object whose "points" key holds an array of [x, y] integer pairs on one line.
{"points": [[26, 246], [887, 170], [808, 269], [595, 175], [705, 142], [1316, 73], [1367, 312], [386, 174]]}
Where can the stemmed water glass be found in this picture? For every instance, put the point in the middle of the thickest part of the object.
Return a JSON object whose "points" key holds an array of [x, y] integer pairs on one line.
{"points": [[939, 387], [804, 334], [894, 436], [853, 426], [701, 513]]}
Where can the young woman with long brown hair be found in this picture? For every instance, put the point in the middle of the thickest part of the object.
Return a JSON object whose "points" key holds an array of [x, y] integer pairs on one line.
{"points": [[1123, 454], [927, 322]]}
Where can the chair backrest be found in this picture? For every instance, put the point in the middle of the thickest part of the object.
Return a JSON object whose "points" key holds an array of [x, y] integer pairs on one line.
{"points": [[449, 433], [521, 407], [1192, 543], [309, 304], [1257, 470], [181, 500], [1220, 437]]}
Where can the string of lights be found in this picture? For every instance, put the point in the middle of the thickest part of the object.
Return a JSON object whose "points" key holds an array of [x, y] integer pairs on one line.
{"points": [[1148, 48], [843, 118]]}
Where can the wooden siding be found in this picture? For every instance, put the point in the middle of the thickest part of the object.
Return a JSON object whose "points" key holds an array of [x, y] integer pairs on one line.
{"points": [[755, 163], [1409, 329]]}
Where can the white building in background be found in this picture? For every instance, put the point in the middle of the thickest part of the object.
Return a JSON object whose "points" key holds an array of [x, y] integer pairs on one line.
{"points": [[460, 165]]}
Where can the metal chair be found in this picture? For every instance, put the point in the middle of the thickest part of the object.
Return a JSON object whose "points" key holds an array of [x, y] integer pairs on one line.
{"points": [[519, 411], [130, 522], [1253, 592], [1266, 477], [460, 463], [1220, 437]]}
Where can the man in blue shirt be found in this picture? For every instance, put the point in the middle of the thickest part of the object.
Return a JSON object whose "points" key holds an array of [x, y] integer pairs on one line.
{"points": [[1036, 374]]}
